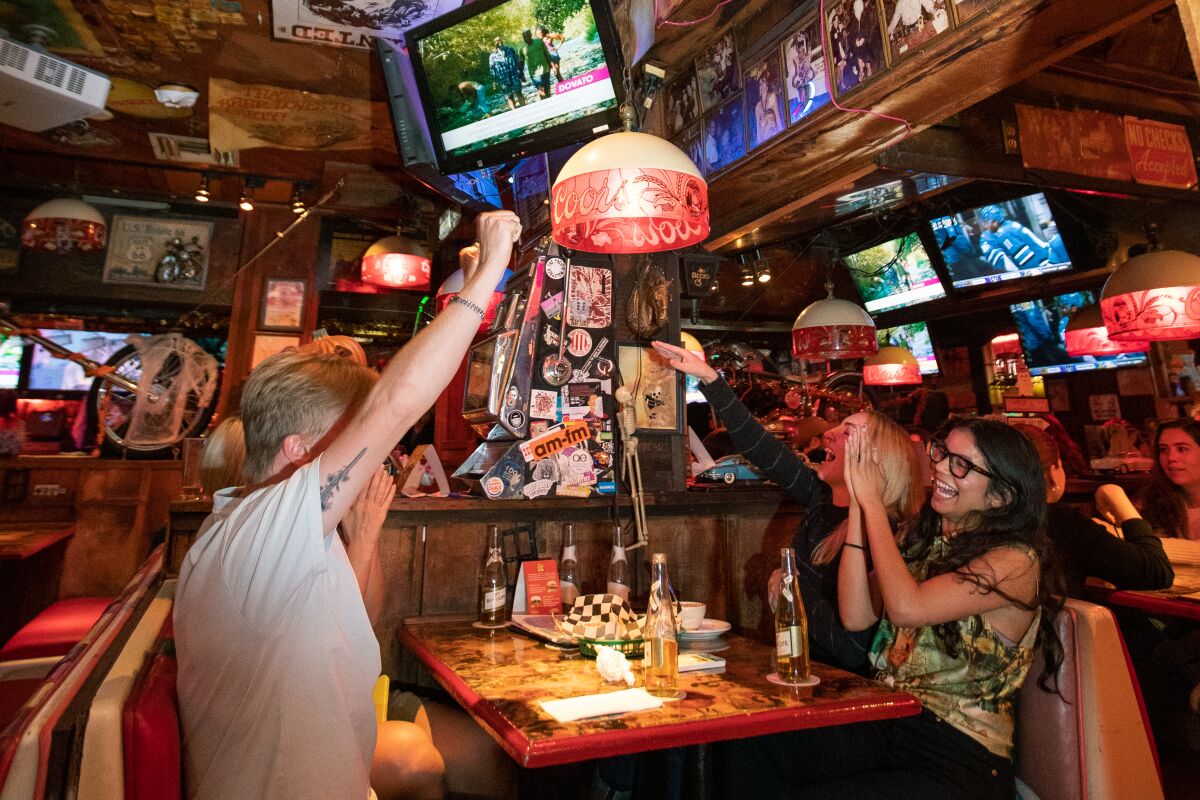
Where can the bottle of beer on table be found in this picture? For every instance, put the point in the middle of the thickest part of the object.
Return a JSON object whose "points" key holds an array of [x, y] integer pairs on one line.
{"points": [[661, 660], [618, 569], [492, 588], [568, 577], [791, 624]]}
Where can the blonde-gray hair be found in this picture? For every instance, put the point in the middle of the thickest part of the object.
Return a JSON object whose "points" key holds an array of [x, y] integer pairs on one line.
{"points": [[296, 393], [223, 457]]}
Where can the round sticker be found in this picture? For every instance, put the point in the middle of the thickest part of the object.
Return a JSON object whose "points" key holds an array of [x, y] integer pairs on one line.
{"points": [[512, 396], [494, 487], [579, 342], [556, 268], [516, 419], [603, 367]]}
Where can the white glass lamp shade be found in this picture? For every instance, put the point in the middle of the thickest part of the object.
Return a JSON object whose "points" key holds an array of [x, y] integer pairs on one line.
{"points": [[1153, 297], [63, 226], [891, 366], [397, 262], [833, 328], [629, 192]]}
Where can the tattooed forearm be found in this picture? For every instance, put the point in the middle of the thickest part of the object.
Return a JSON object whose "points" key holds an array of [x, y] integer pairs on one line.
{"points": [[336, 479]]}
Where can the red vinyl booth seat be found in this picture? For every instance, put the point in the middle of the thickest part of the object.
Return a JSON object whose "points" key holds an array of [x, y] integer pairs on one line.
{"points": [[56, 630], [150, 727]]}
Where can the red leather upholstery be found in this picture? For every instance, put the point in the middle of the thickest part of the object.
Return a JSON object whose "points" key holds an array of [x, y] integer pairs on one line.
{"points": [[13, 694], [56, 630], [150, 725]]}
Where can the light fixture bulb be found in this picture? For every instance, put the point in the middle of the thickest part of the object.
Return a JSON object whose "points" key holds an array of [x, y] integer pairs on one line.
{"points": [[203, 195], [246, 202]]}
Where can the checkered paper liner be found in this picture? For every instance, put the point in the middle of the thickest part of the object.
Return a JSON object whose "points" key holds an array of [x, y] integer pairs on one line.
{"points": [[601, 616]]}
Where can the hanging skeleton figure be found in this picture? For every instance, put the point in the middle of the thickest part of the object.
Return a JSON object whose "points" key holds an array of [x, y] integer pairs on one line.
{"points": [[631, 466], [181, 263]]}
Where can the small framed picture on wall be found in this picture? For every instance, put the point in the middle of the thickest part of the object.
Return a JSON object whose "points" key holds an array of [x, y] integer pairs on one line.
{"points": [[656, 388], [725, 135], [717, 73], [682, 103], [764, 100], [855, 36], [912, 23], [804, 62], [282, 305]]}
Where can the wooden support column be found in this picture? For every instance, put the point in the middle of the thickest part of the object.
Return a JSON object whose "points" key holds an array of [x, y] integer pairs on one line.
{"points": [[1189, 15]]}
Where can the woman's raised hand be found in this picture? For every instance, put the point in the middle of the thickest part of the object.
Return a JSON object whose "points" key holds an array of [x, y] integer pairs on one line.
{"points": [[685, 361], [864, 477]]}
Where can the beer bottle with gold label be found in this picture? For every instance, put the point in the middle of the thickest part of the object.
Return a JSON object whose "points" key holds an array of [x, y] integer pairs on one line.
{"points": [[661, 660], [791, 624], [568, 577], [492, 589]]}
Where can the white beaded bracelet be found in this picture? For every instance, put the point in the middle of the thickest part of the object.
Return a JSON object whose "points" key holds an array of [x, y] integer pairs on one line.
{"points": [[467, 303]]}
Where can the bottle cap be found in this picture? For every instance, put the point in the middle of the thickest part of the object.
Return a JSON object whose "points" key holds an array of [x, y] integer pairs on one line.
{"points": [[658, 558]]}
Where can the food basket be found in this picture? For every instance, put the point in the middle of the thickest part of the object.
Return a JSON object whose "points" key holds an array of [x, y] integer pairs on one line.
{"points": [[632, 648]]}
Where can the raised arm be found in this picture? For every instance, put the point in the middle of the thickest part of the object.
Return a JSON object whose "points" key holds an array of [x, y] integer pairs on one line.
{"points": [[1135, 562], [415, 377], [751, 439], [942, 598]]}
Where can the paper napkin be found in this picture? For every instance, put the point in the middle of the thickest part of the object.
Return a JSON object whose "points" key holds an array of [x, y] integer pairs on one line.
{"points": [[599, 705]]}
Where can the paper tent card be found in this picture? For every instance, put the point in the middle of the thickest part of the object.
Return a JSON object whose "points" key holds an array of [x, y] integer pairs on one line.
{"points": [[423, 475]]}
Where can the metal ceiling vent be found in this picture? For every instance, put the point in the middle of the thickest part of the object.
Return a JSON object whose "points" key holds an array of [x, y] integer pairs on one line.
{"points": [[39, 90]]}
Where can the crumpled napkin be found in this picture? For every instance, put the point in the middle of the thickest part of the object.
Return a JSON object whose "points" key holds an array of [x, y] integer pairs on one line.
{"points": [[613, 666]]}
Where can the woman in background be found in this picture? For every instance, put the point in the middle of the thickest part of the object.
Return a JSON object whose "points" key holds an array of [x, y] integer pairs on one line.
{"points": [[1085, 548], [1171, 502]]}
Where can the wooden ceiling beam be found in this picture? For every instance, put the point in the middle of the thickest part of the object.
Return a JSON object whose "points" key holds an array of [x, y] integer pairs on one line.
{"points": [[954, 71], [1189, 16]]}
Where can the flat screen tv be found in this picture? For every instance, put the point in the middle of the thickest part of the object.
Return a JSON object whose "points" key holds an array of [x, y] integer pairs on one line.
{"points": [[1001, 241], [913, 338], [11, 350], [1041, 327], [502, 79], [59, 375], [894, 274]]}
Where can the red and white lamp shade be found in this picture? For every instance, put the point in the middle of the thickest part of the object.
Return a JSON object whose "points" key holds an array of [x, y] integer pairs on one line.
{"points": [[1153, 297], [64, 226], [629, 192], [833, 328], [1087, 336], [891, 366], [397, 262]]}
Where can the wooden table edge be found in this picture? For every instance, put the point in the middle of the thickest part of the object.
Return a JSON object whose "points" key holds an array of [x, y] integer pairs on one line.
{"points": [[1149, 602], [624, 742], [50, 536]]}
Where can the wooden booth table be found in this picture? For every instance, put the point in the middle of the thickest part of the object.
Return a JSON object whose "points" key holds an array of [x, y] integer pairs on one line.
{"points": [[1180, 599], [500, 677], [31, 564]]}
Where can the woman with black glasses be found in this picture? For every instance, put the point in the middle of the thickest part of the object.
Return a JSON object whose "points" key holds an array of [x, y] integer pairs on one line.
{"points": [[961, 603]]}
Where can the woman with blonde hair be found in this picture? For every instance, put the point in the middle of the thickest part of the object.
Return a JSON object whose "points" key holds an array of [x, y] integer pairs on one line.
{"points": [[223, 456], [822, 492]]}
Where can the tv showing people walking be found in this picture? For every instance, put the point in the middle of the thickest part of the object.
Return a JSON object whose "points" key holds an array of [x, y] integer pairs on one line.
{"points": [[894, 274], [502, 79], [1001, 241]]}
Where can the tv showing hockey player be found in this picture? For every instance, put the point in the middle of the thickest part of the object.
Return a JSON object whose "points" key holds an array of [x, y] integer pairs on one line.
{"points": [[1001, 241]]}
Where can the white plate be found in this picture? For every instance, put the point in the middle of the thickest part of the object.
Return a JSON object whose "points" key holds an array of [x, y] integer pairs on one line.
{"points": [[709, 629]]}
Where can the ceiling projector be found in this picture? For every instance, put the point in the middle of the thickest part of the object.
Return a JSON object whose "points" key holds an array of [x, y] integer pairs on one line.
{"points": [[40, 91]]}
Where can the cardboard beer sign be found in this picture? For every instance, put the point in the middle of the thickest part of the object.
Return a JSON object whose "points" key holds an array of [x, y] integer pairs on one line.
{"points": [[537, 588], [423, 475]]}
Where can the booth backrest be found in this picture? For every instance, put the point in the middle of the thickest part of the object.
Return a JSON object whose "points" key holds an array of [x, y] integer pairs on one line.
{"points": [[153, 754], [55, 630], [1093, 742]]}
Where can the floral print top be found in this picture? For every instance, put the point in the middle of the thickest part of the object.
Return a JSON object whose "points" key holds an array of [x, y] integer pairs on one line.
{"points": [[973, 691]]}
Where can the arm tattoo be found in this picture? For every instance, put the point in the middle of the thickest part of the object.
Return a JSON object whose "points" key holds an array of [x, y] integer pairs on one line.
{"points": [[336, 479]]}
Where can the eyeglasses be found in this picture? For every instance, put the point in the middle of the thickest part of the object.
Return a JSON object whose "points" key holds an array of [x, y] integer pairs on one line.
{"points": [[960, 466]]}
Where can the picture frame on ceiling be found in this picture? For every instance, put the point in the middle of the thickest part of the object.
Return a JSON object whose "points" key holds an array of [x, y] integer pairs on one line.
{"points": [[656, 388], [692, 143], [964, 10], [268, 344], [161, 252], [725, 135], [282, 307], [857, 49], [911, 24], [681, 103], [764, 100], [717, 73], [805, 77]]}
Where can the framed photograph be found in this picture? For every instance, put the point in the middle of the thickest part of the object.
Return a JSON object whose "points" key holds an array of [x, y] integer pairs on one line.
{"points": [[725, 135], [681, 103], [655, 386], [912, 23], [855, 34], [804, 69], [692, 143], [965, 9], [158, 251], [717, 73], [282, 305], [764, 100], [267, 345]]}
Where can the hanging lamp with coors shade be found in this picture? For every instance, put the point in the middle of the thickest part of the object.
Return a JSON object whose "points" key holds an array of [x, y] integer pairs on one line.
{"points": [[629, 192], [454, 284], [397, 262], [833, 328], [63, 226], [1153, 297], [891, 366], [1087, 336]]}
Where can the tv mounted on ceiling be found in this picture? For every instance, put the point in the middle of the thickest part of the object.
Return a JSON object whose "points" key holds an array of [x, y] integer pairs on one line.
{"points": [[915, 339], [502, 79], [1001, 241], [894, 274], [1041, 327]]}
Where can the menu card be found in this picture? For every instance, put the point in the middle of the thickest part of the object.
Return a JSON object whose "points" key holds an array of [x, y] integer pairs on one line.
{"points": [[537, 588]]}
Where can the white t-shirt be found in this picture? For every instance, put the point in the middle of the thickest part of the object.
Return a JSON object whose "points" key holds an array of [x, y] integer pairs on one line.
{"points": [[277, 658]]}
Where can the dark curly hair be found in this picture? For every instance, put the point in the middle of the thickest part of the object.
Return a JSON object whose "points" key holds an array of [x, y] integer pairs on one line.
{"points": [[1018, 521], [1162, 502]]}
